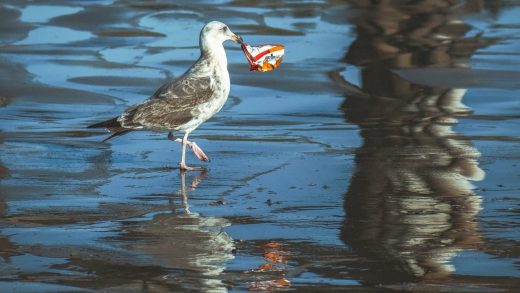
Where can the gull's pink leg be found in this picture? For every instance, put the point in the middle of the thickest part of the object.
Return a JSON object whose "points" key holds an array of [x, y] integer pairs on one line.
{"points": [[194, 147], [198, 152], [182, 164]]}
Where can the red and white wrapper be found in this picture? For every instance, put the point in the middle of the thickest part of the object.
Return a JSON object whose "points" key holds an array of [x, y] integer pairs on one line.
{"points": [[263, 57]]}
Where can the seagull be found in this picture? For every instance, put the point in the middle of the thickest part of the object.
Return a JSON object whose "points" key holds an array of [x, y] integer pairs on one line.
{"points": [[187, 101]]}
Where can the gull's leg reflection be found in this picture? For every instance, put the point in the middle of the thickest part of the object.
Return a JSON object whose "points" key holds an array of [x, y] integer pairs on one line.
{"points": [[183, 193], [184, 196], [198, 179]]}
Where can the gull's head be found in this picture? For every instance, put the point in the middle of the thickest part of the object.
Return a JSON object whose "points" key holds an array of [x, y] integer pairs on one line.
{"points": [[216, 32]]}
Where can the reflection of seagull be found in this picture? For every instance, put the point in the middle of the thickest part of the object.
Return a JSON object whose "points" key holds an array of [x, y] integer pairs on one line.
{"points": [[193, 247], [186, 102]]}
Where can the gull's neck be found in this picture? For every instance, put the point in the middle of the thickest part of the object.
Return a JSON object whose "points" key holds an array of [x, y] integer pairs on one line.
{"points": [[214, 52]]}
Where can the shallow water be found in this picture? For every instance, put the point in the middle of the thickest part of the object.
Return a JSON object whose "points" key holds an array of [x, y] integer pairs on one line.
{"points": [[381, 156]]}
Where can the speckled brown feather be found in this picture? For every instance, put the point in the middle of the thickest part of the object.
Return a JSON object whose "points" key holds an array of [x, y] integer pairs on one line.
{"points": [[172, 105]]}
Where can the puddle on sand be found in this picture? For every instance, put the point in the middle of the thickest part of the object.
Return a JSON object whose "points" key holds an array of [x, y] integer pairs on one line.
{"points": [[381, 155], [54, 35], [43, 13]]}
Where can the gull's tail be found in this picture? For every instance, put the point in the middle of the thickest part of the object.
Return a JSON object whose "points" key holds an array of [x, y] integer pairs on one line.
{"points": [[113, 126], [108, 124]]}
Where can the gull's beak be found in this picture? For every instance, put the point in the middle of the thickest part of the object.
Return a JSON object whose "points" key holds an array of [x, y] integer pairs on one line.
{"points": [[236, 38]]}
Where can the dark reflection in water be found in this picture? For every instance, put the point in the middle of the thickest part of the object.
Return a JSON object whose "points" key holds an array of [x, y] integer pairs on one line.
{"points": [[410, 205], [7, 248]]}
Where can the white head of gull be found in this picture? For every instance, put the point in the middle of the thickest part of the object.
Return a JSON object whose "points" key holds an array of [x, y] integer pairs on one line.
{"points": [[187, 101]]}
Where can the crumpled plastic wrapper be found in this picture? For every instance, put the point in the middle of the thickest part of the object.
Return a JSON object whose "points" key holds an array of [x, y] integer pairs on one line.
{"points": [[263, 57]]}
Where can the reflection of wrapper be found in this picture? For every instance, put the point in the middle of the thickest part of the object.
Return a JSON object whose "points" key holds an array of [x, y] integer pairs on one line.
{"points": [[263, 57]]}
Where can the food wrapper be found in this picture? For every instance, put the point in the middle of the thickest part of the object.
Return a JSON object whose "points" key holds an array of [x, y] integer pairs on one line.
{"points": [[264, 57]]}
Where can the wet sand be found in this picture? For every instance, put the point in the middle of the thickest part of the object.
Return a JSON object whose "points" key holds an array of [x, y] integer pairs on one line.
{"points": [[381, 156]]}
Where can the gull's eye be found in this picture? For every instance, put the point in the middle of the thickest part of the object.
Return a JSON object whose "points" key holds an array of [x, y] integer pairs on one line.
{"points": [[224, 29]]}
